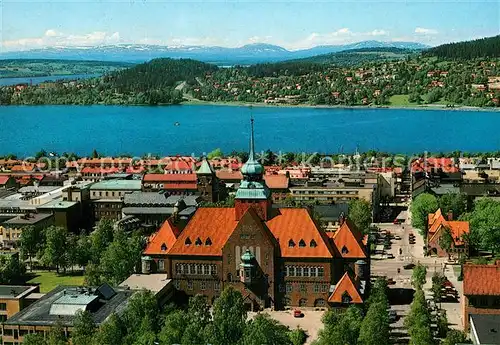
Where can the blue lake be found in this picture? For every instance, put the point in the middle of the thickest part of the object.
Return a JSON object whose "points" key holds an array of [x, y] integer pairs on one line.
{"points": [[201, 128], [38, 80]]}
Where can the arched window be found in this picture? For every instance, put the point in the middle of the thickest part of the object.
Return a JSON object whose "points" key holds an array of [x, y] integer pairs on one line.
{"points": [[163, 247], [198, 242], [187, 242], [302, 243], [345, 250], [313, 244], [208, 242], [291, 243], [346, 298]]}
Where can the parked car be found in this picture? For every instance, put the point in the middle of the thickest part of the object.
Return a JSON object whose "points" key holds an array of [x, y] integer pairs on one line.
{"points": [[393, 316], [409, 266], [390, 256], [298, 313], [390, 281], [397, 237]]}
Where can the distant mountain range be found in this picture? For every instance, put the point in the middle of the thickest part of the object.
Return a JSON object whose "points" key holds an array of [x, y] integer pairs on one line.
{"points": [[248, 54]]}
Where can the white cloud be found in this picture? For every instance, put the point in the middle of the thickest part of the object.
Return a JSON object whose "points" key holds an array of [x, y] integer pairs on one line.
{"points": [[53, 38], [424, 31], [377, 32]]}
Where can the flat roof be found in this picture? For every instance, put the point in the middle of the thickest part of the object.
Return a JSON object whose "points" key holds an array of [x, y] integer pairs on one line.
{"points": [[38, 313], [28, 219], [15, 291], [117, 185], [152, 282], [39, 189], [486, 328], [59, 204]]}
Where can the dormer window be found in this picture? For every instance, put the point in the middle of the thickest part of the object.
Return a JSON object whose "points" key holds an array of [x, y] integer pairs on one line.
{"points": [[302, 244], [313, 244], [198, 242], [291, 244], [187, 242], [208, 242], [163, 247], [345, 250], [346, 298]]}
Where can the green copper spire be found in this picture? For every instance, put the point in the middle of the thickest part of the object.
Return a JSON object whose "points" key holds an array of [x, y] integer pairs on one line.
{"points": [[252, 170], [251, 156]]}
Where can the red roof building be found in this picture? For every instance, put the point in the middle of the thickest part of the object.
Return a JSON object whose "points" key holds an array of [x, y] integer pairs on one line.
{"points": [[437, 226], [274, 257], [481, 290], [175, 183]]}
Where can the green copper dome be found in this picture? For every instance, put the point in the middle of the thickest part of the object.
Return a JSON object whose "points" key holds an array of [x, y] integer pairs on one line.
{"points": [[247, 256]]}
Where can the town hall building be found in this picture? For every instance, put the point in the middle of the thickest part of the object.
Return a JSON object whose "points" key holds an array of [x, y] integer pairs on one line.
{"points": [[276, 257]]}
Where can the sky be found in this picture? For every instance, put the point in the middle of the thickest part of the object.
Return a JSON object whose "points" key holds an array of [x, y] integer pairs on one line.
{"points": [[291, 24]]}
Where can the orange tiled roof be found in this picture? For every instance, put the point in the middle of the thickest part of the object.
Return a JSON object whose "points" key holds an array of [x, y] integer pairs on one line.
{"points": [[219, 223], [296, 224], [276, 181], [165, 237], [229, 175], [345, 285], [23, 167], [457, 228], [482, 280], [349, 241], [180, 186], [169, 177], [214, 223], [110, 170], [4, 179]]}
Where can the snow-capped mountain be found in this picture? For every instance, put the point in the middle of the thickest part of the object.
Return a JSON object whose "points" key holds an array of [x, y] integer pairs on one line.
{"points": [[247, 54]]}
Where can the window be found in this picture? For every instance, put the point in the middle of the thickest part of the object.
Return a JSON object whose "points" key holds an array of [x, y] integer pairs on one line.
{"points": [[197, 242], [214, 269], [187, 242], [302, 244], [312, 244], [291, 244], [346, 298], [163, 247], [298, 271], [321, 271], [287, 271], [179, 268], [203, 286], [190, 285], [281, 288], [345, 250], [208, 242], [289, 287], [316, 288], [177, 284], [3, 306], [161, 265], [3, 318], [192, 269], [324, 288], [198, 269], [216, 286]]}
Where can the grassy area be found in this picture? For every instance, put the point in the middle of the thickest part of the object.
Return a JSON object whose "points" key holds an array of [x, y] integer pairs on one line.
{"points": [[49, 280], [400, 101]]}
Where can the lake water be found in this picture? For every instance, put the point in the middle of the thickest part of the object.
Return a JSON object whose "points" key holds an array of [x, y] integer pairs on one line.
{"points": [[201, 128], [38, 80]]}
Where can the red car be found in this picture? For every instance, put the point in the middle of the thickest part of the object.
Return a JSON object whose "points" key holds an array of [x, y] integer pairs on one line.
{"points": [[297, 313]]}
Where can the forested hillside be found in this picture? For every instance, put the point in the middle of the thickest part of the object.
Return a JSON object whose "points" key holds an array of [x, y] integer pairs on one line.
{"points": [[484, 47], [359, 56], [158, 74]]}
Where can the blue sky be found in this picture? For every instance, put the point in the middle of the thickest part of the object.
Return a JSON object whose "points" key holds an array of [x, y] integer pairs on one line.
{"points": [[291, 24]]}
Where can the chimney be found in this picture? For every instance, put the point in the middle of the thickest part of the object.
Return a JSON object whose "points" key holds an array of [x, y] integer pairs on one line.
{"points": [[450, 215]]}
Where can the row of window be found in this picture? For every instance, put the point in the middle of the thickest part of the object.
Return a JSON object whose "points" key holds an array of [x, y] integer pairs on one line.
{"points": [[110, 205], [302, 243], [107, 193], [316, 288], [304, 271], [196, 269], [325, 192], [203, 285]]}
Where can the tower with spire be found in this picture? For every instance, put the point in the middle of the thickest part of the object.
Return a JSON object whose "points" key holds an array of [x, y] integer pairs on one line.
{"points": [[253, 192]]}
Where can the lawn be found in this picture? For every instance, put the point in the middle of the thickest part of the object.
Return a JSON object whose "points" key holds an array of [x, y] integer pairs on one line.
{"points": [[49, 280], [400, 101]]}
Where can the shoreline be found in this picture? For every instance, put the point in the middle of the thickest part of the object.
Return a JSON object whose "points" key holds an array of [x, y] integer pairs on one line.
{"points": [[397, 107]]}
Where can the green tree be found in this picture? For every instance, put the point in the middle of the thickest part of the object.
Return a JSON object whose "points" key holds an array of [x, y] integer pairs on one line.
{"points": [[217, 153], [54, 253], [484, 224], [438, 280], [297, 336], [120, 258], [418, 277], [111, 332], [454, 337], [360, 213], [229, 316], [340, 328], [420, 208], [12, 270], [454, 202], [375, 326], [84, 328], [30, 243], [418, 321], [446, 240], [34, 339], [56, 335], [173, 328], [101, 238], [142, 307], [263, 330]]}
